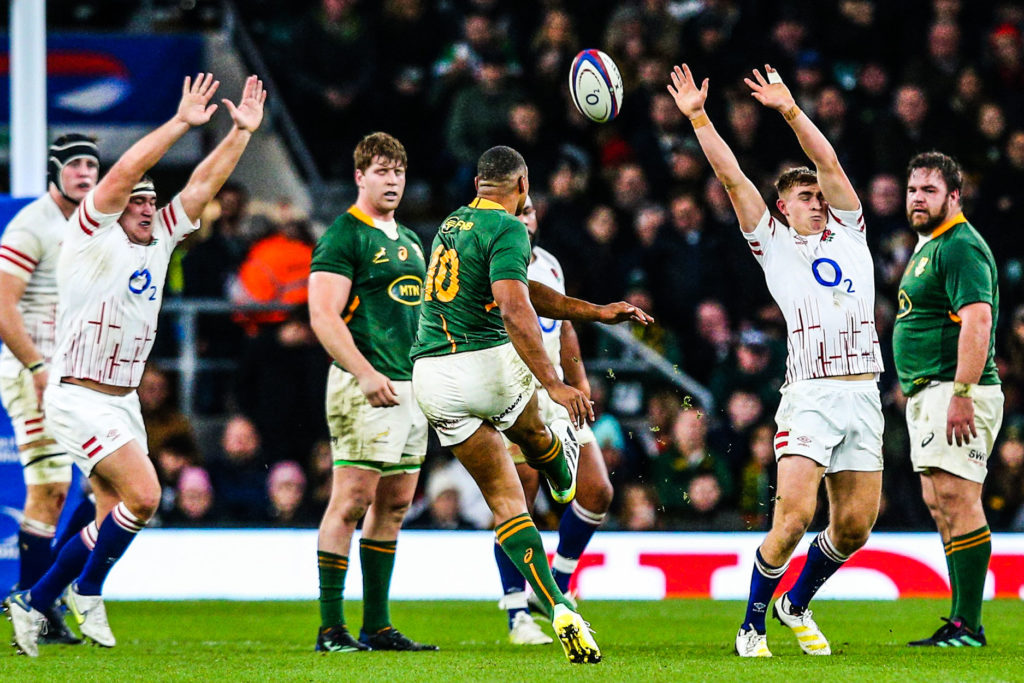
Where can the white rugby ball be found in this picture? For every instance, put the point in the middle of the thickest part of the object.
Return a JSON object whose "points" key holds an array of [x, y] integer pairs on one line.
{"points": [[596, 86]]}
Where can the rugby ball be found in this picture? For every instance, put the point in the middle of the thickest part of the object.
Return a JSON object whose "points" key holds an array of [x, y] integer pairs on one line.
{"points": [[595, 86]]}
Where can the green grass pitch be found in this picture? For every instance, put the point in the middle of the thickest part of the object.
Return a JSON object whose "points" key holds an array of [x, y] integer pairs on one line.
{"points": [[672, 640]]}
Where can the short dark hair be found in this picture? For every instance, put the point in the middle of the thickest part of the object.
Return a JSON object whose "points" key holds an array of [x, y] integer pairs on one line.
{"points": [[801, 175], [379, 145], [947, 166], [500, 165]]}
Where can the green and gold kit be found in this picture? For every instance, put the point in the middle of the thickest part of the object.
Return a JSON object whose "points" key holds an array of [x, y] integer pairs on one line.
{"points": [[475, 246], [383, 307], [953, 268]]}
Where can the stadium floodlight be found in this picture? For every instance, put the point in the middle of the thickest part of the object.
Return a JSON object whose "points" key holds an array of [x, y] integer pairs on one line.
{"points": [[28, 97]]}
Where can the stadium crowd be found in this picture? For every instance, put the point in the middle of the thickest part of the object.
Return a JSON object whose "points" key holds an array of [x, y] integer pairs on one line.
{"points": [[631, 210]]}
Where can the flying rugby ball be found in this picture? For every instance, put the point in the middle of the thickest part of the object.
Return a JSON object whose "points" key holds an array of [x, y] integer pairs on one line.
{"points": [[596, 86]]}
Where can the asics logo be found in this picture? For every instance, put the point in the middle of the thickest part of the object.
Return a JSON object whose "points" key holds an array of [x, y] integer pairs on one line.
{"points": [[927, 440], [528, 557]]}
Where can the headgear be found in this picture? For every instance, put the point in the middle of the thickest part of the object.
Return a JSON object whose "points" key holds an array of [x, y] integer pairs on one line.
{"points": [[63, 151]]}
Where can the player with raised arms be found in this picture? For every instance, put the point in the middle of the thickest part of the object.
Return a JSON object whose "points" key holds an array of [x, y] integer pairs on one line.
{"points": [[594, 492], [28, 315], [477, 351], [110, 278], [819, 271]]}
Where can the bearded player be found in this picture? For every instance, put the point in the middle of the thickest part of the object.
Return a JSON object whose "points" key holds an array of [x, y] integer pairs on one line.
{"points": [[819, 271]]}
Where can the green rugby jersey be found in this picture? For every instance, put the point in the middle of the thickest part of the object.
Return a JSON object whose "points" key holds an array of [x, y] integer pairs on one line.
{"points": [[475, 246], [387, 281], [952, 269]]}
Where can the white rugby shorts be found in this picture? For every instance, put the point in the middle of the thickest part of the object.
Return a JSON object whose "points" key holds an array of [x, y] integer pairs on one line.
{"points": [[461, 391], [836, 423], [926, 422], [389, 440], [45, 464], [91, 425]]}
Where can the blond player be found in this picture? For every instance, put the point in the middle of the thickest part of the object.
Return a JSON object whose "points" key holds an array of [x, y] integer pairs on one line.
{"points": [[819, 270], [110, 279], [28, 311]]}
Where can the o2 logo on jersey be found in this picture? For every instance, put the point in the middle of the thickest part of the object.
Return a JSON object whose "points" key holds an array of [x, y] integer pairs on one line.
{"points": [[141, 282], [547, 325], [828, 274]]}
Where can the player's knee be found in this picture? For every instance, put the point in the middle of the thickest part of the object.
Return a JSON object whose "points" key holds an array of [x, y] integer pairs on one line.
{"points": [[46, 500], [851, 537], [354, 508], [597, 497], [793, 525]]}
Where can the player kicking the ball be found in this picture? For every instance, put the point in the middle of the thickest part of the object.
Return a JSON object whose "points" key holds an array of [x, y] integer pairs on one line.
{"points": [[110, 278], [819, 270], [477, 351], [584, 515]]}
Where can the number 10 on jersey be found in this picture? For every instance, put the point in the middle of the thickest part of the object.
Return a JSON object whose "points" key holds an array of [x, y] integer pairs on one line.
{"points": [[444, 265]]}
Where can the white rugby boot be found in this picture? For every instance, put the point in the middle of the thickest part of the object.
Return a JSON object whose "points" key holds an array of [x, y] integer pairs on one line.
{"points": [[526, 631], [810, 638], [28, 623], [750, 643], [91, 616]]}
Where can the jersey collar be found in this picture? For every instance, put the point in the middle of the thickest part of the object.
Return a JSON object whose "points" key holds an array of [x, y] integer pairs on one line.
{"points": [[481, 203], [947, 224], [361, 215]]}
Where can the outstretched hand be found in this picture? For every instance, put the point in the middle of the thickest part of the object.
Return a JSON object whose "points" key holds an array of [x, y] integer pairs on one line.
{"points": [[621, 311], [689, 98], [249, 113], [770, 91], [195, 97]]}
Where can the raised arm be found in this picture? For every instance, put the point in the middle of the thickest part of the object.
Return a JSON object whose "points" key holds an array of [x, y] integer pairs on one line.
{"points": [[112, 192], [213, 171], [746, 200], [835, 186], [557, 306], [520, 319]]}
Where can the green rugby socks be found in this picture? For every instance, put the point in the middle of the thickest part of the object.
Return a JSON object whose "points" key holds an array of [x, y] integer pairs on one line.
{"points": [[377, 559], [552, 463], [332, 570], [969, 556], [520, 540]]}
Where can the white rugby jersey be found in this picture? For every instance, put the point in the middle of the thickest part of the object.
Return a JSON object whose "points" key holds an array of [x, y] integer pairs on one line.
{"points": [[28, 250], [825, 286], [110, 293], [545, 269]]}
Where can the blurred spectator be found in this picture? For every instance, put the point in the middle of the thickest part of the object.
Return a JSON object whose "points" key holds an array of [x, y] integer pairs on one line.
{"points": [[709, 342], [527, 135], [908, 129], [472, 505], [638, 510], [286, 491], [708, 509], [936, 70], [1004, 491], [476, 120], [276, 272], [599, 264], [606, 427], [194, 500], [690, 270], [212, 264], [281, 384], [176, 454], [757, 479], [752, 368], [321, 472], [239, 472], [160, 413], [330, 71], [654, 336], [884, 211], [443, 510], [687, 456]]}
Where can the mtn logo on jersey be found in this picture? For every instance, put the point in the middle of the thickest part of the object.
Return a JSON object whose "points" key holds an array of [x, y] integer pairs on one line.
{"points": [[407, 290]]}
